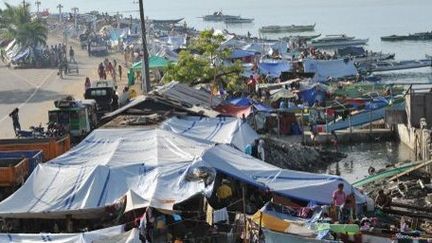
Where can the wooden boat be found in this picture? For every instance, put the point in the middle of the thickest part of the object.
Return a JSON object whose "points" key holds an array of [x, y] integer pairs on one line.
{"points": [[383, 66], [238, 21], [300, 37], [362, 118], [422, 36], [384, 174], [287, 28], [166, 21], [334, 41], [219, 16]]}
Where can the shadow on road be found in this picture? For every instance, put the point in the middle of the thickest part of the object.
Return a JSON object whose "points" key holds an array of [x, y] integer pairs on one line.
{"points": [[17, 96]]}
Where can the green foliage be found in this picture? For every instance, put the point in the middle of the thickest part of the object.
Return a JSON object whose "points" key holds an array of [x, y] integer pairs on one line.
{"points": [[201, 68], [16, 22]]}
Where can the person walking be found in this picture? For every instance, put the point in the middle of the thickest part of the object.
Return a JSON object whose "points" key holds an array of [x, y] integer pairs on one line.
{"points": [[15, 120], [120, 71], [87, 83], [72, 55]]}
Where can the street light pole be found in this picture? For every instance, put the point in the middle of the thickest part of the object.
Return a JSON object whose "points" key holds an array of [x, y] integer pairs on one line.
{"points": [[60, 12], [75, 10], [145, 65], [38, 3]]}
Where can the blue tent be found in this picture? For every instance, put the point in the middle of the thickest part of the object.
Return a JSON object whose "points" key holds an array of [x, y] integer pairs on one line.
{"points": [[274, 68], [244, 101], [237, 53], [311, 95]]}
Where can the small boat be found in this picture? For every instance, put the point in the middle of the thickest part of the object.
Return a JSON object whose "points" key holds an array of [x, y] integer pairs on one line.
{"points": [[219, 16], [166, 21], [238, 21], [287, 28], [334, 41], [300, 37], [393, 66], [422, 36]]}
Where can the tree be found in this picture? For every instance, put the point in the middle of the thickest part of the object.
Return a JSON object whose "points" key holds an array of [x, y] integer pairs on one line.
{"points": [[201, 63], [16, 22]]}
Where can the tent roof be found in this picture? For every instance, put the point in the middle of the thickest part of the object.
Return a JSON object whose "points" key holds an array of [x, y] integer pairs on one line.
{"points": [[238, 53], [102, 235], [274, 68], [154, 63], [226, 130], [294, 184], [103, 168], [325, 69]]}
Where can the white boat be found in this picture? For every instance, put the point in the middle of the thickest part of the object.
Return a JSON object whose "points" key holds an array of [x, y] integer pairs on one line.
{"points": [[238, 20], [219, 16], [287, 28], [333, 41], [393, 66]]}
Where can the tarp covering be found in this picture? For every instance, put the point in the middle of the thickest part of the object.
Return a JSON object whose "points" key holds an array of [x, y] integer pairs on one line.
{"points": [[325, 69], [103, 168], [238, 53], [233, 110], [103, 235], [245, 101], [155, 62], [218, 130], [274, 68], [293, 184]]}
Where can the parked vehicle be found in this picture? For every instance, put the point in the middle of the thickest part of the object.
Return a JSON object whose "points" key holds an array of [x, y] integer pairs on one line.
{"points": [[105, 94]]}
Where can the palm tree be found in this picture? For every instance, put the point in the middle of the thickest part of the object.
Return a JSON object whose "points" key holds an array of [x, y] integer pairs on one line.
{"points": [[16, 22]]}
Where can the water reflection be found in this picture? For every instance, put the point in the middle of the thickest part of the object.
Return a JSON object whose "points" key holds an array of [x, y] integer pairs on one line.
{"points": [[364, 155]]}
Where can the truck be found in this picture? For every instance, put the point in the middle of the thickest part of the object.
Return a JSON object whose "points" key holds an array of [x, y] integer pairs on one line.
{"points": [[76, 118]]}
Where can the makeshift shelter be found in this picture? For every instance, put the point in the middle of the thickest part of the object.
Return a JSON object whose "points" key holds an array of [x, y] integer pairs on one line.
{"points": [[329, 69], [155, 62], [239, 54], [274, 68], [218, 130], [103, 168], [103, 235], [154, 168]]}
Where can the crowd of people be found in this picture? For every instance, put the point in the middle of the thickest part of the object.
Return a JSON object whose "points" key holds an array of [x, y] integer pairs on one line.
{"points": [[113, 69]]}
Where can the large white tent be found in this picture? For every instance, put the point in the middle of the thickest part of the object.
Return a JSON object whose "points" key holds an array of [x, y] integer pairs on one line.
{"points": [[225, 130], [112, 234], [325, 69], [151, 168]]}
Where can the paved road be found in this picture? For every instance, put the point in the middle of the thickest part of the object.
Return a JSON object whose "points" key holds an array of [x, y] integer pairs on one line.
{"points": [[34, 90]]}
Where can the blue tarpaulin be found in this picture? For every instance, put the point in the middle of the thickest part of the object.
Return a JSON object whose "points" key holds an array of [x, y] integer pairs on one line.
{"points": [[311, 95], [237, 53], [274, 68], [244, 101]]}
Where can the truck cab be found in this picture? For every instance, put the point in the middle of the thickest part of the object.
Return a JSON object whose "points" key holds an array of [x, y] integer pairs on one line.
{"points": [[105, 94]]}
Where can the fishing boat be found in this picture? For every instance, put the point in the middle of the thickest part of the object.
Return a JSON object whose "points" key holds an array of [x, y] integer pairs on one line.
{"points": [[422, 36], [219, 16], [334, 41], [166, 21], [238, 21], [300, 37], [287, 28], [383, 66]]}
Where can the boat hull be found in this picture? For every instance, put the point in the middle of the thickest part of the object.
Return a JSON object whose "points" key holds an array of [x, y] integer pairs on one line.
{"points": [[281, 29]]}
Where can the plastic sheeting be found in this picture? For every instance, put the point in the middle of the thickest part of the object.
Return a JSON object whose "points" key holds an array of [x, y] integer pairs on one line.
{"points": [[325, 69], [218, 130], [104, 235], [274, 68], [237, 53], [103, 168], [303, 186]]}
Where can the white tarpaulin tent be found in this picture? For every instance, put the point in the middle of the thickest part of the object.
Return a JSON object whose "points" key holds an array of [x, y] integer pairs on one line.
{"points": [[115, 233], [218, 130], [150, 168], [103, 168], [325, 69], [292, 184]]}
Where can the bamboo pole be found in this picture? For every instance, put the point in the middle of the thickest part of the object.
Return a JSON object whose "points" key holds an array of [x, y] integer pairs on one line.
{"points": [[411, 170]]}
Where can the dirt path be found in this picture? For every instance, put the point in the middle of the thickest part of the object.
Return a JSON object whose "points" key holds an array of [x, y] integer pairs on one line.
{"points": [[34, 90]]}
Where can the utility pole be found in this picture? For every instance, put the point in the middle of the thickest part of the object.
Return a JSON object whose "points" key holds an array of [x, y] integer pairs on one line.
{"points": [[75, 11], [145, 65], [24, 4], [38, 3], [60, 12]]}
